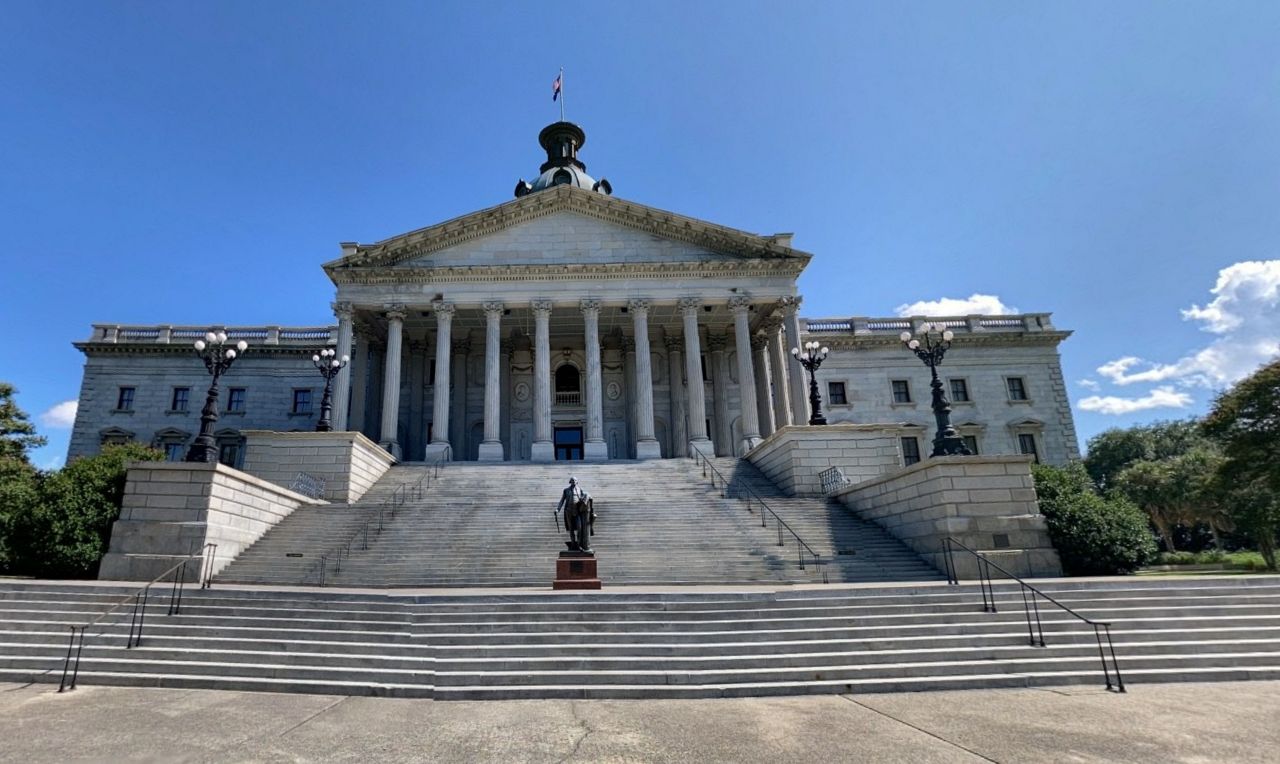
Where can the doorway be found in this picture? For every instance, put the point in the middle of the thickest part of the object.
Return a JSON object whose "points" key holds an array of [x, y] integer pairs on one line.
{"points": [[568, 444]]}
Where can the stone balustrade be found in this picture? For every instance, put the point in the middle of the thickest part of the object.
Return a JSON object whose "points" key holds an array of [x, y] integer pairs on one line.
{"points": [[862, 325], [185, 335]]}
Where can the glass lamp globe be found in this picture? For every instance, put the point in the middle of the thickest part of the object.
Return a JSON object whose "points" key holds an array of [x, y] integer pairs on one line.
{"points": [[824, 351], [905, 336], [200, 346], [913, 344], [334, 363], [315, 359], [221, 337], [948, 335], [231, 353], [242, 346], [210, 337], [346, 358], [795, 352]]}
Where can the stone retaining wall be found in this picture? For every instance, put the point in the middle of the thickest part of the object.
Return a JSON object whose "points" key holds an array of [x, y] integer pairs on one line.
{"points": [[172, 509], [793, 457], [348, 462]]}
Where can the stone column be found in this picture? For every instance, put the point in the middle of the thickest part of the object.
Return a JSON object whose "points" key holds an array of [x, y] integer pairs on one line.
{"points": [[778, 357], [764, 409], [391, 381], [746, 376], [629, 379], [458, 400], [491, 448], [440, 447], [543, 449], [697, 394], [417, 372], [359, 384], [595, 449], [679, 418], [717, 344], [345, 312], [795, 372], [646, 445]]}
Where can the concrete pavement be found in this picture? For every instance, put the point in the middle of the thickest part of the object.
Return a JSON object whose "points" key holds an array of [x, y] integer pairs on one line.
{"points": [[1235, 722]]}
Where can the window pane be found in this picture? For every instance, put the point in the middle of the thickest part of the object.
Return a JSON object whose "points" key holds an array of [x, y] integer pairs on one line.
{"points": [[835, 393], [971, 443], [959, 391], [125, 400], [910, 451], [235, 399], [173, 452], [302, 401], [901, 391], [1027, 445], [181, 398], [1017, 390], [227, 453]]}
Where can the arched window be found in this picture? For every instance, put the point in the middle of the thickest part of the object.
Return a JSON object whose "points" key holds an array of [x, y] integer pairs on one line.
{"points": [[568, 385]]}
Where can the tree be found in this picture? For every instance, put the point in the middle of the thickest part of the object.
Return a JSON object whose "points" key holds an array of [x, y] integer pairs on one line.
{"points": [[1177, 490], [19, 497], [1094, 535], [17, 434], [1112, 451]]}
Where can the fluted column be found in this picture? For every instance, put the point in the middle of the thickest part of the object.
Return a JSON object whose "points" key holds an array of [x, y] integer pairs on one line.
{"points": [[543, 449], [359, 384], [679, 418], [391, 381], [746, 376], [778, 356], [491, 447], [717, 344], [595, 449], [629, 380], [760, 361], [345, 312], [697, 394], [795, 372], [646, 445], [440, 447]]}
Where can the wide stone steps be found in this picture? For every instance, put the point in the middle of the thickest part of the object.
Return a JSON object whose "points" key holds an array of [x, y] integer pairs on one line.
{"points": [[645, 644]]}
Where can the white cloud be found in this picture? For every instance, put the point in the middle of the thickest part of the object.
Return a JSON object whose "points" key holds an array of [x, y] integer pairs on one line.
{"points": [[1159, 398], [61, 416], [1089, 384], [974, 304], [1242, 313]]}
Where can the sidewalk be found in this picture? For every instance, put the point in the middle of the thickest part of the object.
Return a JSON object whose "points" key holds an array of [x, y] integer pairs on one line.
{"points": [[1228, 722]]}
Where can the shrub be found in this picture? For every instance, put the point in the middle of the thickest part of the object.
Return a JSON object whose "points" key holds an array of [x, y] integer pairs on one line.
{"points": [[1093, 535]]}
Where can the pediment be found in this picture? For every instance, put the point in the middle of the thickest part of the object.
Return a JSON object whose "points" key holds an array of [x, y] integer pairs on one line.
{"points": [[566, 226]]}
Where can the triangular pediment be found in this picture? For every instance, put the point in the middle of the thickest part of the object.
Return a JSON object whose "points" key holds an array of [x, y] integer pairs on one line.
{"points": [[567, 226]]}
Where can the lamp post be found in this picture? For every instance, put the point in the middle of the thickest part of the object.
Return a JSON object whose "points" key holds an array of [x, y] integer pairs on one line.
{"points": [[217, 359], [812, 357], [329, 367], [931, 344]]}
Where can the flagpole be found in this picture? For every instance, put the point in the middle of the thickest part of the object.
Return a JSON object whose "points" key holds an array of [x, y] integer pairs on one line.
{"points": [[562, 94]]}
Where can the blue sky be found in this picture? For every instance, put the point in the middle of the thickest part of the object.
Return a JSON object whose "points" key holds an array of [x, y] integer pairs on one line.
{"points": [[1113, 163]]}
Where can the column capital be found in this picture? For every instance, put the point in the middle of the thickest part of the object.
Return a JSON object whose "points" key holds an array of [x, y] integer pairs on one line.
{"points": [[739, 304], [689, 305], [444, 309], [674, 342], [717, 343], [589, 306], [345, 311], [493, 310], [771, 324], [790, 304], [540, 307], [395, 311], [639, 306]]}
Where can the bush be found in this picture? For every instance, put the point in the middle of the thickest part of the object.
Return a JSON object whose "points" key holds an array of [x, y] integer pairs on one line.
{"points": [[66, 532], [1093, 535]]}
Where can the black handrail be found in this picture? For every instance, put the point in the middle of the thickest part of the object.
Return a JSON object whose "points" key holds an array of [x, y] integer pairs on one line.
{"points": [[1031, 607], [726, 484], [75, 643]]}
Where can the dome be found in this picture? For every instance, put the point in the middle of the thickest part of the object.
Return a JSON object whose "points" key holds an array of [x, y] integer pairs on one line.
{"points": [[561, 140]]}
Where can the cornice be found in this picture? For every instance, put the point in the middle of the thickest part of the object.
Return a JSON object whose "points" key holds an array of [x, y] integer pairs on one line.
{"points": [[565, 272], [156, 348], [848, 341]]}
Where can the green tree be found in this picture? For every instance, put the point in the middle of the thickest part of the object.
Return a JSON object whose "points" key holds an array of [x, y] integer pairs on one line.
{"points": [[1111, 451], [1094, 535], [19, 497], [17, 434], [67, 534], [1176, 490]]}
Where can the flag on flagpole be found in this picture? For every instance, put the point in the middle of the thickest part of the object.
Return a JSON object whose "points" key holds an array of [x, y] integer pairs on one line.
{"points": [[555, 87]]}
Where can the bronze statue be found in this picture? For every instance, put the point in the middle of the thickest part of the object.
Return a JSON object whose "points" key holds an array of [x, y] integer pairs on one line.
{"points": [[579, 516]]}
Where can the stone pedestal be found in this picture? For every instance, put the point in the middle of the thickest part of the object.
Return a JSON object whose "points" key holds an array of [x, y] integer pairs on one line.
{"points": [[491, 452], [542, 452], [595, 451], [576, 570]]}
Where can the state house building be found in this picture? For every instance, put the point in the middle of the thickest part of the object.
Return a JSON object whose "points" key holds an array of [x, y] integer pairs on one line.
{"points": [[568, 323]]}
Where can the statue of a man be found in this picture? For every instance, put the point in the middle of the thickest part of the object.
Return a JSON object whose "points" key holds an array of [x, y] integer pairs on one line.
{"points": [[578, 516]]}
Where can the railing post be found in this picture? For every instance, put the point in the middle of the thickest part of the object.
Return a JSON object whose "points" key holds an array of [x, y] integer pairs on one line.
{"points": [[142, 616], [1114, 663], [66, 664], [323, 561], [949, 562], [1026, 610], [173, 593], [133, 621], [1035, 604]]}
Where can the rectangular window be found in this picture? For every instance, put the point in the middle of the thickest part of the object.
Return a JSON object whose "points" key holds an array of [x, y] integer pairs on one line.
{"points": [[228, 453], [835, 394], [971, 443], [901, 391], [235, 399], [1027, 445], [959, 391], [1017, 389], [124, 401], [173, 452], [302, 401], [181, 399], [910, 451]]}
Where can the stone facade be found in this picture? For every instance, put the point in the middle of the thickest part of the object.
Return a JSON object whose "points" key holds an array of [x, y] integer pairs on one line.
{"points": [[794, 457], [348, 462]]}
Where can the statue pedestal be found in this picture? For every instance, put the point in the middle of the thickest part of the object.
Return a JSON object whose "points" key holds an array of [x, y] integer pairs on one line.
{"points": [[576, 570]]}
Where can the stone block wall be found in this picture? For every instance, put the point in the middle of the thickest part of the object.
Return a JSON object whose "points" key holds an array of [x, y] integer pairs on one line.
{"points": [[793, 457], [172, 509], [348, 462], [987, 503]]}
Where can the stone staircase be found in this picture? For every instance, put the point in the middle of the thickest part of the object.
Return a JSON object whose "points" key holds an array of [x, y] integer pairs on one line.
{"points": [[637, 644], [660, 522]]}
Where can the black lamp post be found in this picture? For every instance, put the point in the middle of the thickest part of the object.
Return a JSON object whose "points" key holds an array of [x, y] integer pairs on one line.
{"points": [[811, 359], [934, 340], [217, 359], [329, 367]]}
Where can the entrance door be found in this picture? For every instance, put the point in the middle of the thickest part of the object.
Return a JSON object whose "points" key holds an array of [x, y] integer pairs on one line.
{"points": [[568, 444]]}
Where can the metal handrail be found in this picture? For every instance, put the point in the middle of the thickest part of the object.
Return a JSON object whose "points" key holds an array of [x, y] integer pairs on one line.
{"points": [[1031, 607], [699, 458], [75, 642]]}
